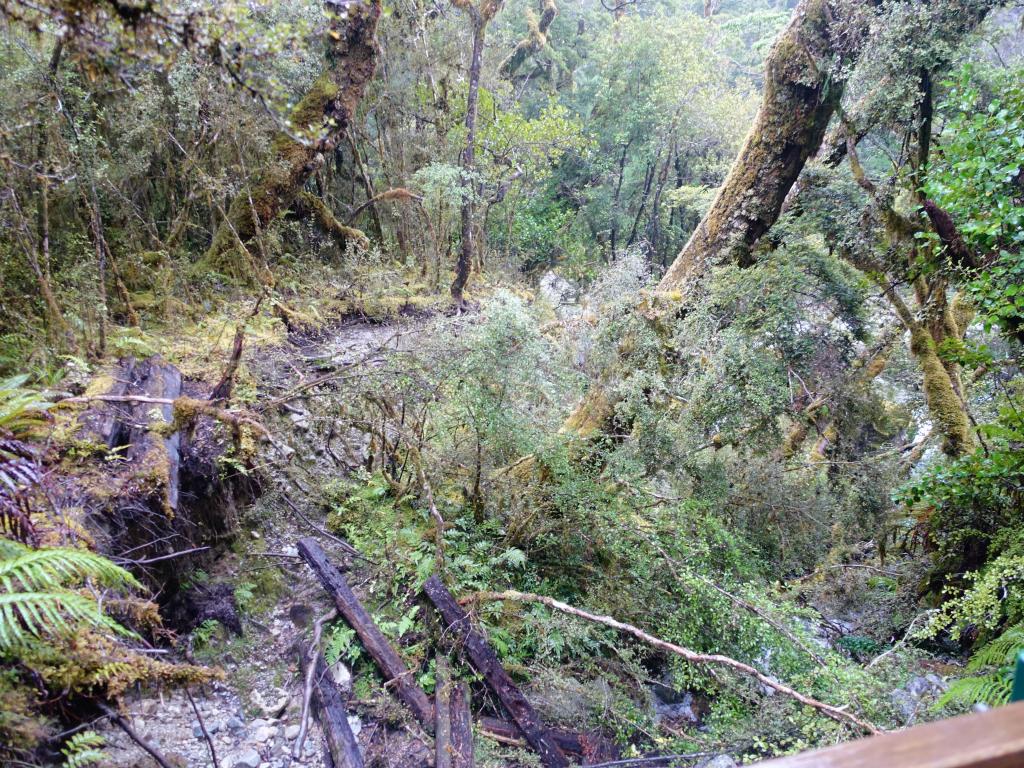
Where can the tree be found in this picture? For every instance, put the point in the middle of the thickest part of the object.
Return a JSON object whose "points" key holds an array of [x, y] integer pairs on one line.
{"points": [[318, 122], [480, 16]]}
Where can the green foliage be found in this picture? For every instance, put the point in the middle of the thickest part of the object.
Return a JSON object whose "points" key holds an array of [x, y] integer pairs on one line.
{"points": [[977, 180], [340, 644], [974, 504], [39, 603], [992, 669], [205, 632], [83, 748]]}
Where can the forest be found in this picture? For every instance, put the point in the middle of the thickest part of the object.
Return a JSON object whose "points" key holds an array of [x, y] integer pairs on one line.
{"points": [[507, 383]]}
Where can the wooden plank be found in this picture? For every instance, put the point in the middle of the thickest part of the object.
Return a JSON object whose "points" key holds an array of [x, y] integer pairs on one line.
{"points": [[993, 739], [396, 674], [333, 715], [462, 727], [485, 661]]}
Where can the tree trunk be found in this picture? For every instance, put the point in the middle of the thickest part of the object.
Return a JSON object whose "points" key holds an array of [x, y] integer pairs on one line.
{"points": [[535, 40], [327, 110], [800, 96], [465, 262]]}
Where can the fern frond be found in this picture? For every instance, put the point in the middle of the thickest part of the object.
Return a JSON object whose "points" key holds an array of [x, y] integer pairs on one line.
{"points": [[48, 569], [83, 749], [992, 689], [1000, 651], [25, 616]]}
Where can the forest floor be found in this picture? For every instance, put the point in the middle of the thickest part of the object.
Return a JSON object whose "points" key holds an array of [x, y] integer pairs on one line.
{"points": [[253, 716]]}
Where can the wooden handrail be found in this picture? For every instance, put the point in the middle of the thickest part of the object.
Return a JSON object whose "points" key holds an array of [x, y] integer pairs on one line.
{"points": [[993, 739]]}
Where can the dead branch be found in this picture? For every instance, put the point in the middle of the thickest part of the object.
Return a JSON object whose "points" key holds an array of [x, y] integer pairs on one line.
{"points": [[123, 724], [307, 695], [836, 713]]}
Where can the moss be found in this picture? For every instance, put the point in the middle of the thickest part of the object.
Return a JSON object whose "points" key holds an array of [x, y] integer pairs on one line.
{"points": [[944, 405], [591, 415], [99, 385]]}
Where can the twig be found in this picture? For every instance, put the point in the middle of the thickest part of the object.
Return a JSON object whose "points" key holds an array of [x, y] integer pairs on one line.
{"points": [[324, 532], [836, 713], [202, 726], [148, 560], [121, 723], [307, 695], [902, 640], [654, 759]]}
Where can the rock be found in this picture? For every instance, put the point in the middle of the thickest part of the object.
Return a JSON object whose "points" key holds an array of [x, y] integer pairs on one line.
{"points": [[342, 677], [300, 613], [197, 731], [247, 758], [274, 708], [264, 734], [177, 759], [720, 761], [291, 732], [355, 724], [557, 290], [234, 725]]}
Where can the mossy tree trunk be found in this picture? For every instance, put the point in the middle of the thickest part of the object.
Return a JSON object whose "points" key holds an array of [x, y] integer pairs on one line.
{"points": [[317, 122], [801, 93], [536, 39]]}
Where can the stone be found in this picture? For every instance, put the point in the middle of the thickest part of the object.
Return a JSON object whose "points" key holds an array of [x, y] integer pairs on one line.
{"points": [[247, 758], [720, 761], [557, 290], [291, 732], [355, 724], [264, 734], [342, 677], [234, 725]]}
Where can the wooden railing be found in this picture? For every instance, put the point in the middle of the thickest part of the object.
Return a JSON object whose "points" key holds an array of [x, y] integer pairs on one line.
{"points": [[993, 739]]}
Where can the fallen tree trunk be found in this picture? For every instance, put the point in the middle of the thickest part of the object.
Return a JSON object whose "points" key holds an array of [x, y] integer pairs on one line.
{"points": [[836, 713], [396, 673], [589, 747], [333, 715], [442, 714], [485, 661], [461, 721]]}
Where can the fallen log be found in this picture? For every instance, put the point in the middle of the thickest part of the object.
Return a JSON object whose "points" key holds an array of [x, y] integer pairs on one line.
{"points": [[589, 747], [396, 674], [442, 714], [330, 707], [485, 661], [461, 727]]}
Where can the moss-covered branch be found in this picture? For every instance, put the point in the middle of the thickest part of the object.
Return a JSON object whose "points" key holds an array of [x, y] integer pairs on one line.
{"points": [[318, 121]]}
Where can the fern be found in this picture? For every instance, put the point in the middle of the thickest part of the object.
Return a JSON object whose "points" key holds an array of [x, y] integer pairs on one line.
{"points": [[992, 665], [20, 409], [27, 615], [38, 601], [992, 689], [46, 569], [1001, 651], [83, 749]]}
